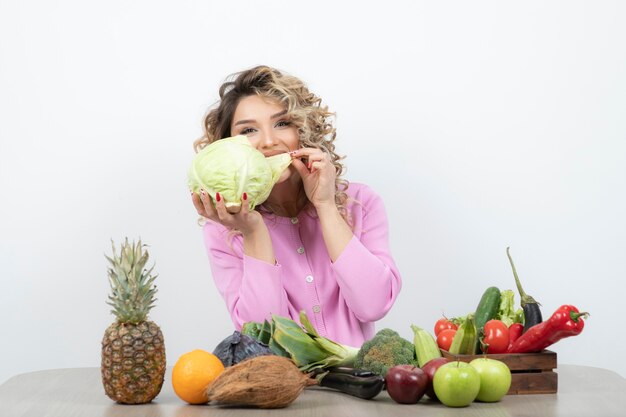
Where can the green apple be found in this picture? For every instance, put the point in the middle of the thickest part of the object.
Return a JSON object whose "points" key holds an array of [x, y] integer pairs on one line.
{"points": [[456, 384], [495, 379]]}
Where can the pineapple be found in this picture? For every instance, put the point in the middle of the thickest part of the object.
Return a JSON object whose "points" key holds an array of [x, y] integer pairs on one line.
{"points": [[133, 351]]}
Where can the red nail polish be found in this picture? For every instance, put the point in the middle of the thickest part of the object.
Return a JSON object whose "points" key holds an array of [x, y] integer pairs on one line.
{"points": [[245, 196], [217, 197]]}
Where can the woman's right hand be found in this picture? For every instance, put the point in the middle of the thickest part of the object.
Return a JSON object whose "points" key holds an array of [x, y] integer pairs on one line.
{"points": [[246, 221], [256, 238]]}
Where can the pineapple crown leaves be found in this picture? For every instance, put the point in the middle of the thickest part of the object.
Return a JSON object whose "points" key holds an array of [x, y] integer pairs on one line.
{"points": [[132, 286]]}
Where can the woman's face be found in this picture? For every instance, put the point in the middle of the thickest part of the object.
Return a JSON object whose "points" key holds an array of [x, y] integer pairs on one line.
{"points": [[267, 126]]}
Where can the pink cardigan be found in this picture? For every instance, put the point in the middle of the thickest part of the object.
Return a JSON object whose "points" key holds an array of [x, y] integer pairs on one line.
{"points": [[342, 299]]}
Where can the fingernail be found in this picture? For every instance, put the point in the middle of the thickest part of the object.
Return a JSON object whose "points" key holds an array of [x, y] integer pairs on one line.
{"points": [[292, 152], [217, 197], [245, 196], [202, 191]]}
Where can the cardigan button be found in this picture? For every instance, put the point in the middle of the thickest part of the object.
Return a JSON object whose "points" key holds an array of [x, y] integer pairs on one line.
{"points": [[317, 309], [309, 278], [301, 250], [294, 220]]}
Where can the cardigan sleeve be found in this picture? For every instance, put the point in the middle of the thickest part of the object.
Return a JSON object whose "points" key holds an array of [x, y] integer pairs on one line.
{"points": [[252, 289], [366, 272]]}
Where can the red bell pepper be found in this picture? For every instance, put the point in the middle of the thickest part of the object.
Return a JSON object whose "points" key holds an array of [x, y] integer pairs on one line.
{"points": [[515, 331], [566, 321]]}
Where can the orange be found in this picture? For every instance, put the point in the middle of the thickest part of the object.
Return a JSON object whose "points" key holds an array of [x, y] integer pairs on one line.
{"points": [[193, 372]]}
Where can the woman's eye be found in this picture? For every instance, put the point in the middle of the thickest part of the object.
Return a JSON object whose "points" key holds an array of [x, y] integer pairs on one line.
{"points": [[283, 123], [246, 131]]}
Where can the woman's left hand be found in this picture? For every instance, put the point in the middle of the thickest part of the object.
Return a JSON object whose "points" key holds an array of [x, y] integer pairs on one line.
{"points": [[318, 175]]}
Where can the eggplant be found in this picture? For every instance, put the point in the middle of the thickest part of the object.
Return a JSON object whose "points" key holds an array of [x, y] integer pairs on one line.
{"points": [[531, 307], [351, 371], [356, 382], [532, 315]]}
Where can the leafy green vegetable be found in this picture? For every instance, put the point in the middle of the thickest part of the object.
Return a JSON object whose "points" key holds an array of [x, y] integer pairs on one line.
{"points": [[506, 312], [251, 329], [232, 166], [302, 344]]}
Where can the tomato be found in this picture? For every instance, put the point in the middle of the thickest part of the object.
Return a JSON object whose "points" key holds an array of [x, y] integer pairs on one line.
{"points": [[496, 336], [443, 324], [444, 339]]}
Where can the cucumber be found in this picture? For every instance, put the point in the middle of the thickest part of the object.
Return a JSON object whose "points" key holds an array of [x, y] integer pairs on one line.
{"points": [[487, 309]]}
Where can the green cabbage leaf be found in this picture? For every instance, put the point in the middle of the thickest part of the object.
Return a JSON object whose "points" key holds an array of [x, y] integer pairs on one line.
{"points": [[232, 166]]}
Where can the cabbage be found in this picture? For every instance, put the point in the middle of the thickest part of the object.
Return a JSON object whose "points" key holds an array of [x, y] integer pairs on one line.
{"points": [[233, 166], [238, 347]]}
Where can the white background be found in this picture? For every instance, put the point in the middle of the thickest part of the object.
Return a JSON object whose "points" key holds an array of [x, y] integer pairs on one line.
{"points": [[481, 124]]}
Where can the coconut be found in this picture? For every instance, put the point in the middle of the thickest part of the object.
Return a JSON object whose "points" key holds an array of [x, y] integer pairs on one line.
{"points": [[262, 381]]}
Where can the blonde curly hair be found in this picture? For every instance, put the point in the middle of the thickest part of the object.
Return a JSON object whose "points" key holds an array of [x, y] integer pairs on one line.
{"points": [[314, 121]]}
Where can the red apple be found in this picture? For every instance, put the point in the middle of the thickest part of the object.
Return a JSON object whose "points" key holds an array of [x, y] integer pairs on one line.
{"points": [[406, 384], [430, 368]]}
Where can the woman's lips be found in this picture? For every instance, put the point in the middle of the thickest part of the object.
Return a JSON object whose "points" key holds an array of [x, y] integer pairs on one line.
{"points": [[267, 155]]}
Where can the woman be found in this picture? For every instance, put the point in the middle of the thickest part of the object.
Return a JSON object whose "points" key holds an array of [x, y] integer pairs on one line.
{"points": [[318, 243]]}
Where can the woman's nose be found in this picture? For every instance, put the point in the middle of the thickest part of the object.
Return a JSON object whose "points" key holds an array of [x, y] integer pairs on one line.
{"points": [[267, 139]]}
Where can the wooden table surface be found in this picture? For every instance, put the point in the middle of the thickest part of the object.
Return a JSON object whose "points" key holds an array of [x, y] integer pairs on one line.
{"points": [[583, 391]]}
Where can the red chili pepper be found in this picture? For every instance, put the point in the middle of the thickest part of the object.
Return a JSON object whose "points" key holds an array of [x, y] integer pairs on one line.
{"points": [[515, 331], [566, 321]]}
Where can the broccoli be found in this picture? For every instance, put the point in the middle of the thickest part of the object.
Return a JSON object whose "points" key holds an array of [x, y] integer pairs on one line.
{"points": [[385, 350]]}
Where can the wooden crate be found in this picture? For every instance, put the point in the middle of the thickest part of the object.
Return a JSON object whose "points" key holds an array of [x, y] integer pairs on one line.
{"points": [[531, 373]]}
